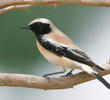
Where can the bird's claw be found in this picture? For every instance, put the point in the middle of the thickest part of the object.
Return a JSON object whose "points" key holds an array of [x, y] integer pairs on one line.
{"points": [[68, 74]]}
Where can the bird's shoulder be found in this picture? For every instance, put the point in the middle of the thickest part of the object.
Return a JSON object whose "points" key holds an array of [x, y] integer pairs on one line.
{"points": [[61, 38]]}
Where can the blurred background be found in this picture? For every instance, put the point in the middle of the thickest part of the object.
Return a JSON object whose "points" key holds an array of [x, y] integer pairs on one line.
{"points": [[89, 27]]}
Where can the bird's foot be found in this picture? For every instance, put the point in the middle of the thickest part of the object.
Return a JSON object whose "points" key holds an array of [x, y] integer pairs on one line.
{"points": [[68, 74], [46, 76]]}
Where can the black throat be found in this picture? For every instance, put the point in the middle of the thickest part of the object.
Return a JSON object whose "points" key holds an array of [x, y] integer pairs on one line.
{"points": [[40, 28]]}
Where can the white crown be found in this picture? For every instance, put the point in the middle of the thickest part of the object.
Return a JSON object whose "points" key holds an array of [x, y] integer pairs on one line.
{"points": [[42, 20]]}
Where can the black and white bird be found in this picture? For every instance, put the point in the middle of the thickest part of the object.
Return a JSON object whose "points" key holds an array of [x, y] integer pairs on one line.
{"points": [[60, 50]]}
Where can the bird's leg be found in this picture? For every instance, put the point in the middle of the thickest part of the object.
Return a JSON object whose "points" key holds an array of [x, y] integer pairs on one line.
{"points": [[69, 73], [45, 75]]}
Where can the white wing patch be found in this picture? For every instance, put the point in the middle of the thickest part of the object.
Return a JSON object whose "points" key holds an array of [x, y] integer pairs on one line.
{"points": [[86, 68]]}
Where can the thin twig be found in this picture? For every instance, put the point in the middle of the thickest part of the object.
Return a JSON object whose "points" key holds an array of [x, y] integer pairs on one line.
{"points": [[24, 7]]}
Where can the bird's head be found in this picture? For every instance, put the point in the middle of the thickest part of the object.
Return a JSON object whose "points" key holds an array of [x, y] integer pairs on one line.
{"points": [[40, 26]]}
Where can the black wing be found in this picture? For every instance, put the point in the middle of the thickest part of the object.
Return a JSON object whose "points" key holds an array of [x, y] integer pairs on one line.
{"points": [[68, 52]]}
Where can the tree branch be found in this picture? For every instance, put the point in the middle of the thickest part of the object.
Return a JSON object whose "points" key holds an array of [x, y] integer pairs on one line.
{"points": [[6, 9], [7, 5], [30, 81]]}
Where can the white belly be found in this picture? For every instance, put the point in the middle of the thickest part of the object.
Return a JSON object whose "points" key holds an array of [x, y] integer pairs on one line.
{"points": [[57, 60]]}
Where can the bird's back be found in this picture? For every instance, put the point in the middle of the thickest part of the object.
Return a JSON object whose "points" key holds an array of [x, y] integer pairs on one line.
{"points": [[61, 38]]}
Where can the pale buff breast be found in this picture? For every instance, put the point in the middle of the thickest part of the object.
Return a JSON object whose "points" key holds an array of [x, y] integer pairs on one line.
{"points": [[59, 61]]}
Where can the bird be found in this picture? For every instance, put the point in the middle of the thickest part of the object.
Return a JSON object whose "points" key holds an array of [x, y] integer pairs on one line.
{"points": [[60, 50]]}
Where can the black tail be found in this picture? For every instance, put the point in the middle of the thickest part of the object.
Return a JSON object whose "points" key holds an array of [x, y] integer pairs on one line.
{"points": [[102, 80]]}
